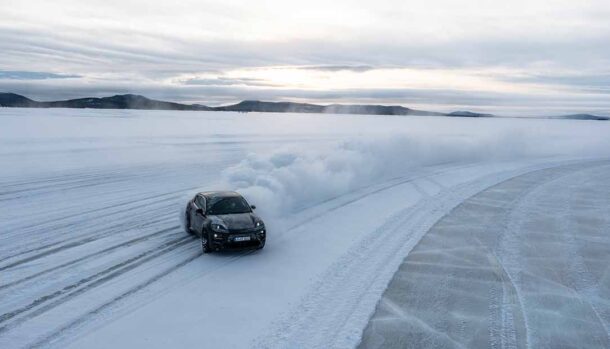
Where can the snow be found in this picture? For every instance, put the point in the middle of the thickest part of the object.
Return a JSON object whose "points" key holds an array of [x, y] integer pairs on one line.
{"points": [[92, 253]]}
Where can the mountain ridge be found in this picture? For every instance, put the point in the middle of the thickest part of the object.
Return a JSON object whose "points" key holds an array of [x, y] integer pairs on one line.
{"points": [[126, 101], [133, 101], [584, 117]]}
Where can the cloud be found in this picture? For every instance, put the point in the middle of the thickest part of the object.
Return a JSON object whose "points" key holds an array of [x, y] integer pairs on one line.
{"points": [[336, 68], [124, 49], [31, 75], [599, 82], [226, 81]]}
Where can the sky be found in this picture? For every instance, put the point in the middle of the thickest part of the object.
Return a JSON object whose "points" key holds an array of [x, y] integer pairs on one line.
{"points": [[518, 57]]}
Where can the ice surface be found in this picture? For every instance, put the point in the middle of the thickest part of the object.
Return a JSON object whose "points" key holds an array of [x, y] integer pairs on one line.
{"points": [[522, 264], [91, 251]]}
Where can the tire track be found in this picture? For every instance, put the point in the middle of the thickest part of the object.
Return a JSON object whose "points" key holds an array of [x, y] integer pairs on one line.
{"points": [[509, 258], [580, 280], [56, 223], [138, 201], [79, 321], [392, 183], [94, 236], [89, 256], [49, 301], [28, 192]]}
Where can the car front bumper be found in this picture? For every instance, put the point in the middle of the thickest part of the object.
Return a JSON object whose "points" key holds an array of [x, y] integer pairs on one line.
{"points": [[230, 241]]}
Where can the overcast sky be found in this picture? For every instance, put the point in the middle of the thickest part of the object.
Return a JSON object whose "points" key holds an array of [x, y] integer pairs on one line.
{"points": [[511, 57]]}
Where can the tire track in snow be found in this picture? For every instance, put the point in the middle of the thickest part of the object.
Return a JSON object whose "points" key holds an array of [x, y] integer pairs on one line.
{"points": [[49, 301], [94, 236], [122, 205], [510, 259], [170, 197], [80, 321], [581, 280], [90, 217], [585, 281], [87, 257], [79, 184], [376, 188], [502, 330]]}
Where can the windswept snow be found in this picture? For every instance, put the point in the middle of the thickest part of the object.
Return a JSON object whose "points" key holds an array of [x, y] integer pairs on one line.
{"points": [[92, 253]]}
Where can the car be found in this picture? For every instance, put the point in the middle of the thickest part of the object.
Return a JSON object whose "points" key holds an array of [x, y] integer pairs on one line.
{"points": [[224, 220]]}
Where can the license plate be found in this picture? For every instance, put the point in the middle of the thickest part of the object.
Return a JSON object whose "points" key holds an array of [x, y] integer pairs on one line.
{"points": [[241, 238]]}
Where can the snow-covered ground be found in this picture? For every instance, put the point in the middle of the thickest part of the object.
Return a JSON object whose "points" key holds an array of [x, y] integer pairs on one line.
{"points": [[92, 253]]}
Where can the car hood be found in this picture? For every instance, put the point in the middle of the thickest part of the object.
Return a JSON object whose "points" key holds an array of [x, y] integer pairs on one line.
{"points": [[236, 221]]}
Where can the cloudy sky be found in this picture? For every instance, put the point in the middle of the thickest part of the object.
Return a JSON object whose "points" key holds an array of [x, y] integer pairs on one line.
{"points": [[511, 57]]}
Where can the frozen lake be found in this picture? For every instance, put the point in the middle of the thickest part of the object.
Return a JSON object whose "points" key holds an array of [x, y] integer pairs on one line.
{"points": [[92, 253]]}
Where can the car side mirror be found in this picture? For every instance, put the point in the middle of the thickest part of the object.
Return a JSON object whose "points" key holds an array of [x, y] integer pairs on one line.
{"points": [[199, 211], [253, 207]]}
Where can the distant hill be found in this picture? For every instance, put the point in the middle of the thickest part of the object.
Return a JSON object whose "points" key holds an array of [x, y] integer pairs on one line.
{"points": [[128, 101], [290, 107], [376, 110], [17, 101], [273, 107], [584, 117], [469, 114]]}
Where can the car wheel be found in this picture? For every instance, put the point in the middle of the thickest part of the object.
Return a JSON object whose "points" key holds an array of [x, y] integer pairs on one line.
{"points": [[205, 243], [187, 222]]}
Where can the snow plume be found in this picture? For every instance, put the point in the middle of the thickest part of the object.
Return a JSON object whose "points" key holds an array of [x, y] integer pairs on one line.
{"points": [[292, 178]]}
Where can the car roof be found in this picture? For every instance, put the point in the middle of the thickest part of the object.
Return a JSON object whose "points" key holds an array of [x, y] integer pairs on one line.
{"points": [[219, 194]]}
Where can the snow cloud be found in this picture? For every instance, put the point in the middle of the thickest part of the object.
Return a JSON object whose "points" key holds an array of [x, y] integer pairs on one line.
{"points": [[294, 178]]}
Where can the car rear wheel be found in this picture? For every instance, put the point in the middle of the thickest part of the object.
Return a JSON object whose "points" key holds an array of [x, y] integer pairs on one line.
{"points": [[187, 222]]}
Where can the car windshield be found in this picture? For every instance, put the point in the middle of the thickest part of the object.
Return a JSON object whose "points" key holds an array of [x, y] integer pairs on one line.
{"points": [[228, 205]]}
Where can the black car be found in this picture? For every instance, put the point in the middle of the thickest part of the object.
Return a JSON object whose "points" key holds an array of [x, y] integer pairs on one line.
{"points": [[225, 221]]}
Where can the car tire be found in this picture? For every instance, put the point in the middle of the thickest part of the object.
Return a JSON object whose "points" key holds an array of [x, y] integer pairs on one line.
{"points": [[187, 222], [205, 242]]}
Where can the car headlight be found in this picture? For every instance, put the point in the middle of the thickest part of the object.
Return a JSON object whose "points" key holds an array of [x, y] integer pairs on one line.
{"points": [[259, 224], [219, 228]]}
